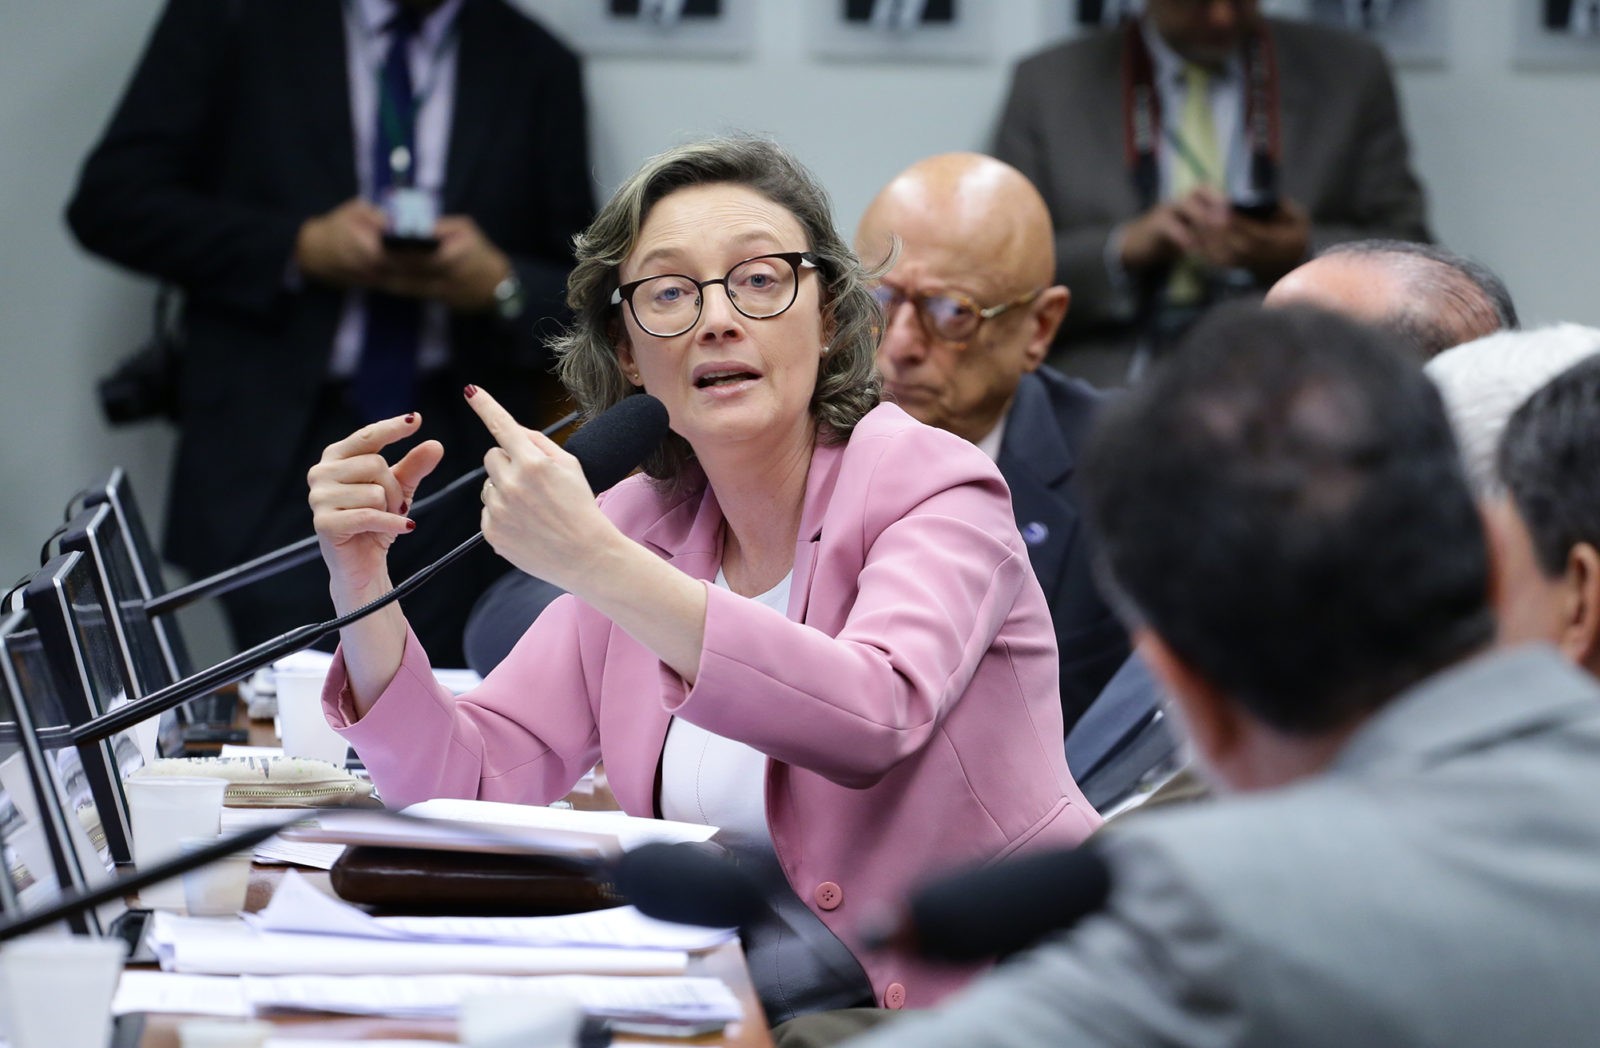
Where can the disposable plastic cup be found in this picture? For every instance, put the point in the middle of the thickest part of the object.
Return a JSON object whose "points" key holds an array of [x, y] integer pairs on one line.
{"points": [[165, 810], [304, 729], [517, 1021], [219, 887], [55, 991], [222, 1033]]}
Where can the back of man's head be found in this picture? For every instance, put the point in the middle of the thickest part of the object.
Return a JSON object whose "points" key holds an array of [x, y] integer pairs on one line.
{"points": [[1484, 381], [1427, 296], [1283, 505], [1549, 459]]}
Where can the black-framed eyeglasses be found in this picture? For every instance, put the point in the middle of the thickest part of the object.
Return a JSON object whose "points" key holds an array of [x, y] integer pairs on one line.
{"points": [[948, 316], [760, 288]]}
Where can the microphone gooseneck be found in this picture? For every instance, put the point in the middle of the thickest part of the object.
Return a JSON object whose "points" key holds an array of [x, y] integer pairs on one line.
{"points": [[304, 551], [80, 900], [611, 445]]}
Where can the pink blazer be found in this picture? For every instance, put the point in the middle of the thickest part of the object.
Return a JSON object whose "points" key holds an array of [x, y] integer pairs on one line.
{"points": [[907, 702]]}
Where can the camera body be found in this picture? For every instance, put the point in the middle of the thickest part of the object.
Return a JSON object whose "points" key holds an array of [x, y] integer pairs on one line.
{"points": [[144, 385]]}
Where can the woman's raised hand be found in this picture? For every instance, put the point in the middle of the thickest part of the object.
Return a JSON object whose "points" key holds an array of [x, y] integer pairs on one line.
{"points": [[359, 504], [538, 511]]}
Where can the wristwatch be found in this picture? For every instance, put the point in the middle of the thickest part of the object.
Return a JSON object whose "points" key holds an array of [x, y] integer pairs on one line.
{"points": [[509, 300]]}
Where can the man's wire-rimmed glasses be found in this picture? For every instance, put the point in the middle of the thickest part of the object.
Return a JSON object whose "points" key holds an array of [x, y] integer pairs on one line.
{"points": [[948, 316], [760, 288]]}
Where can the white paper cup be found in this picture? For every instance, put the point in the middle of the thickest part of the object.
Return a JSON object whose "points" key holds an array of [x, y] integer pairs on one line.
{"points": [[222, 1033], [165, 809], [55, 991], [517, 1021], [220, 886], [305, 731]]}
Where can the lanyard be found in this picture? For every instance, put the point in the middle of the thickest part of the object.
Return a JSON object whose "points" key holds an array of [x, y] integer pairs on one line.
{"points": [[393, 122], [1141, 114]]}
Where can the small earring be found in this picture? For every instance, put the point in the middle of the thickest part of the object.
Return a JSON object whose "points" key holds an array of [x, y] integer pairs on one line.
{"points": [[825, 350]]}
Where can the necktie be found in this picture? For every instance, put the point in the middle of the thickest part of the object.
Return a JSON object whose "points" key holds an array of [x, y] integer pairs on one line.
{"points": [[386, 376], [1196, 161]]}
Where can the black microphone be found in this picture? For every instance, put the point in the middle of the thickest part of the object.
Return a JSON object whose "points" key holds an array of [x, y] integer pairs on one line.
{"points": [[995, 910], [304, 551], [687, 884], [608, 448], [969, 916]]}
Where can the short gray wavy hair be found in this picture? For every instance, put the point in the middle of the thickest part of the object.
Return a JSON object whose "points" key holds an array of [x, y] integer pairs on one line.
{"points": [[848, 385]]}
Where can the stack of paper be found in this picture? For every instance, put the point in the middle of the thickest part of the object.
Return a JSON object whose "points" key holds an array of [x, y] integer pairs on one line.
{"points": [[492, 826], [303, 931], [299, 908], [679, 1000]]}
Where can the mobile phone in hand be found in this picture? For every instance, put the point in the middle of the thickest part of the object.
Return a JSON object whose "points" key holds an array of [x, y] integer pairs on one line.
{"points": [[412, 214], [410, 244], [1259, 209]]}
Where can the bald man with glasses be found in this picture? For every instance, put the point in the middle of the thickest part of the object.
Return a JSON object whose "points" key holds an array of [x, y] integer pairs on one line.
{"points": [[970, 309]]}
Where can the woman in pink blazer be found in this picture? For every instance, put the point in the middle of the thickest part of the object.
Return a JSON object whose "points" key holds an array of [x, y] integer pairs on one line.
{"points": [[813, 624]]}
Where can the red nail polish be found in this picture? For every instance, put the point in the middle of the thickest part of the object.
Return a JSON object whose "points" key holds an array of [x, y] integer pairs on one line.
{"points": [[471, 389], [411, 525], [403, 507], [410, 419]]}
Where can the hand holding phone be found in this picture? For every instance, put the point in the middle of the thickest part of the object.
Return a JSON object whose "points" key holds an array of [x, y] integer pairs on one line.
{"points": [[412, 215], [409, 244], [1259, 209]]}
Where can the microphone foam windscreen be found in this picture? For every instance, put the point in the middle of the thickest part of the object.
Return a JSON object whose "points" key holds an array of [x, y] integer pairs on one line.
{"points": [[614, 442], [686, 884], [995, 910]]}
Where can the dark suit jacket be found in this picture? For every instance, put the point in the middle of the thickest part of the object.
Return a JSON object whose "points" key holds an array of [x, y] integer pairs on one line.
{"points": [[233, 131], [1344, 154], [1045, 434]]}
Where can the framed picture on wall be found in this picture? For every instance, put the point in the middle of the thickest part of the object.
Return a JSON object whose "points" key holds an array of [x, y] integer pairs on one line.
{"points": [[903, 30], [1091, 14], [658, 28], [1411, 31], [1063, 18], [1557, 34]]}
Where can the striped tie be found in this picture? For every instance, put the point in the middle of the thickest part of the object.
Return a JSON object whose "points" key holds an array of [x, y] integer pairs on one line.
{"points": [[1196, 161]]}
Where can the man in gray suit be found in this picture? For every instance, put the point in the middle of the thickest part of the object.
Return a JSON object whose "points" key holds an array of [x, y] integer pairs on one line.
{"points": [[1199, 153], [1411, 858], [1525, 412], [1547, 527]]}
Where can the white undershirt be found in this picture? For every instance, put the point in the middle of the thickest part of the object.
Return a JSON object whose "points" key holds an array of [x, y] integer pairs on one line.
{"points": [[990, 443], [715, 781]]}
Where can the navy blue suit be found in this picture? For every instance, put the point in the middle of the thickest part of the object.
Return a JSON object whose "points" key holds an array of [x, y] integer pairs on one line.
{"points": [[235, 129], [1045, 433]]}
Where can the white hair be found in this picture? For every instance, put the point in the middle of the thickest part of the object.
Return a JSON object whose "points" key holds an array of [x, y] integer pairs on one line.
{"points": [[1485, 380]]}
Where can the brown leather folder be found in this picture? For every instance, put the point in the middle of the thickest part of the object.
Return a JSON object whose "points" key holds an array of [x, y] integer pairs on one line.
{"points": [[414, 880]]}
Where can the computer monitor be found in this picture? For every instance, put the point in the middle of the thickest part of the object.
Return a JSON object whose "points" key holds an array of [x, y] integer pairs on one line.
{"points": [[96, 533], [116, 491], [45, 780], [30, 872], [81, 649]]}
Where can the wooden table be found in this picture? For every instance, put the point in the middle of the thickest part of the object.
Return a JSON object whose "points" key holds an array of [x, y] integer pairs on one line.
{"points": [[726, 962]]}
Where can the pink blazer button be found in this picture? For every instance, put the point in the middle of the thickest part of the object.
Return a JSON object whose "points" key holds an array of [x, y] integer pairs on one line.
{"points": [[829, 895], [894, 996]]}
